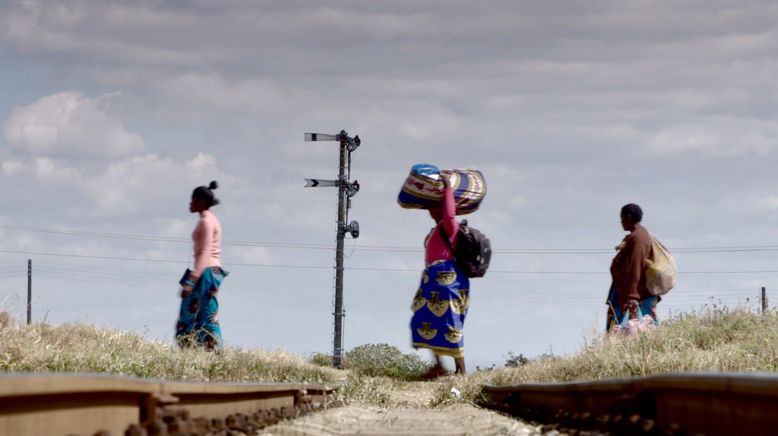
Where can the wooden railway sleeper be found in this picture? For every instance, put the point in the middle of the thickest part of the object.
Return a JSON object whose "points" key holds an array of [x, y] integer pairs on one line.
{"points": [[153, 407]]}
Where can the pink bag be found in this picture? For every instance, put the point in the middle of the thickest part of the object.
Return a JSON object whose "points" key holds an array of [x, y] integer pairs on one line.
{"points": [[634, 326]]}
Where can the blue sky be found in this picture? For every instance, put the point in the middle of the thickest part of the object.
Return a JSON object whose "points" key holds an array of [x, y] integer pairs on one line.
{"points": [[112, 112]]}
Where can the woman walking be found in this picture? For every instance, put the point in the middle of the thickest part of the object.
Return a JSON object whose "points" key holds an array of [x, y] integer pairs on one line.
{"points": [[628, 292], [441, 303], [198, 322]]}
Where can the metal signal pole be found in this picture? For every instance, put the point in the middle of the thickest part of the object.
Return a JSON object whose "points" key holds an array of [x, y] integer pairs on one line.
{"points": [[346, 190], [763, 300], [339, 313], [29, 291]]}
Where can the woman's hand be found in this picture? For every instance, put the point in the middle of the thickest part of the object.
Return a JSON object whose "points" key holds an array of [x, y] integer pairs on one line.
{"points": [[444, 179], [188, 285]]}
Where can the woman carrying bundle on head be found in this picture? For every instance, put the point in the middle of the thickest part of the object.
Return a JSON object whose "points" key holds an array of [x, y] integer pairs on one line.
{"points": [[441, 302], [198, 322]]}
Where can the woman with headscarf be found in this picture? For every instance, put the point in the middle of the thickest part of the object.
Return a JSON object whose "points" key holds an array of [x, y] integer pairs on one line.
{"points": [[441, 303], [628, 293], [198, 322]]}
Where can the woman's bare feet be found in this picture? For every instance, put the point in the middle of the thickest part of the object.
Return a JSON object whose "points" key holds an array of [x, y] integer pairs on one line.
{"points": [[460, 364], [435, 372]]}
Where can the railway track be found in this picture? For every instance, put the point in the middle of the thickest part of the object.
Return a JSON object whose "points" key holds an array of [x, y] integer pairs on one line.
{"points": [[87, 404], [679, 403]]}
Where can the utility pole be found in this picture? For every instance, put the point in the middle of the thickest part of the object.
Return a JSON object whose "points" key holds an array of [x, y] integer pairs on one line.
{"points": [[346, 190], [764, 301], [29, 291]]}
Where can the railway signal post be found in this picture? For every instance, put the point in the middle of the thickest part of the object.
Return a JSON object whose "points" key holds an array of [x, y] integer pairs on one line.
{"points": [[29, 291], [346, 190]]}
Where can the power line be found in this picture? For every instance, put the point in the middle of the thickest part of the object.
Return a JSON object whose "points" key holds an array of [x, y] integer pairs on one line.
{"points": [[12, 274], [267, 265], [85, 256], [296, 245], [154, 238], [96, 280], [139, 259], [119, 275], [80, 267]]}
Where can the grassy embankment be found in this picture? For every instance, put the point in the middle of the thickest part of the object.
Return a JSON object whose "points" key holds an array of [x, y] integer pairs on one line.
{"points": [[716, 340], [83, 348]]}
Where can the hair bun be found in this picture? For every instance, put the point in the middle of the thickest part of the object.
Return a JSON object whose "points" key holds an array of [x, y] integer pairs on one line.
{"points": [[213, 185]]}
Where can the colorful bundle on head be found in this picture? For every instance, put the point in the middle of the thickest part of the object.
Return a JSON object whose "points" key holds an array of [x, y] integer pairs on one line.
{"points": [[423, 188]]}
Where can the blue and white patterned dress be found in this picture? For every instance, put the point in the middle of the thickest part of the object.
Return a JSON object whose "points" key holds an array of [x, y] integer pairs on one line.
{"points": [[439, 309], [198, 322]]}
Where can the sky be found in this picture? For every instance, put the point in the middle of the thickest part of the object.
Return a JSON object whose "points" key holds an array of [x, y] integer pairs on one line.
{"points": [[112, 112]]}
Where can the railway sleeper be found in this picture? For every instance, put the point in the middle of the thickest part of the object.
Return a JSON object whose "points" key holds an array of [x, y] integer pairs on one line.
{"points": [[664, 404], [167, 422]]}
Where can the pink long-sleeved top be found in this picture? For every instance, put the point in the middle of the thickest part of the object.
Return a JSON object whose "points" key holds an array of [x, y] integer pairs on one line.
{"points": [[207, 242], [435, 247]]}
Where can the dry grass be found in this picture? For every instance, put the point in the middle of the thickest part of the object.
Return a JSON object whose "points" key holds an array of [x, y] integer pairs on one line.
{"points": [[716, 340], [83, 348], [389, 392]]}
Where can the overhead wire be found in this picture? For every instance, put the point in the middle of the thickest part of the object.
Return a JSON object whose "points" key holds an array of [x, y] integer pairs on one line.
{"points": [[57, 276], [11, 268], [9, 275], [124, 277], [297, 245], [355, 268], [70, 267], [10, 263], [154, 238]]}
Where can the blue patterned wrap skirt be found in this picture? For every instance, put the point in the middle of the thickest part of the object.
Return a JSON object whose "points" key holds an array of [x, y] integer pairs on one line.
{"points": [[439, 309], [198, 322]]}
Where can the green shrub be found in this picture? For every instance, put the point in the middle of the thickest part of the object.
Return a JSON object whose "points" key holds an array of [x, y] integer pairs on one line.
{"points": [[322, 359], [385, 360], [514, 361]]}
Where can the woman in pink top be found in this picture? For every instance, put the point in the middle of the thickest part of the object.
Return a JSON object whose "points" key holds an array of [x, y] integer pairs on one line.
{"points": [[441, 303], [198, 323]]}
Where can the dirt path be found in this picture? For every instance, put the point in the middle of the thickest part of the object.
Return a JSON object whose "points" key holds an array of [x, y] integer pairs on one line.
{"points": [[410, 416], [458, 419]]}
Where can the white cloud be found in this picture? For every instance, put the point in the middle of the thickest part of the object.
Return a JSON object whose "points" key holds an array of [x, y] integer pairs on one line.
{"points": [[255, 255], [175, 227], [200, 163], [68, 124], [768, 203], [148, 182], [51, 171], [13, 167], [718, 137], [56, 28], [70, 142]]}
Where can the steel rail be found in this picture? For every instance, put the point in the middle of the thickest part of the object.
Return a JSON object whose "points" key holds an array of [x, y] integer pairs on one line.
{"points": [[88, 404], [675, 403]]}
